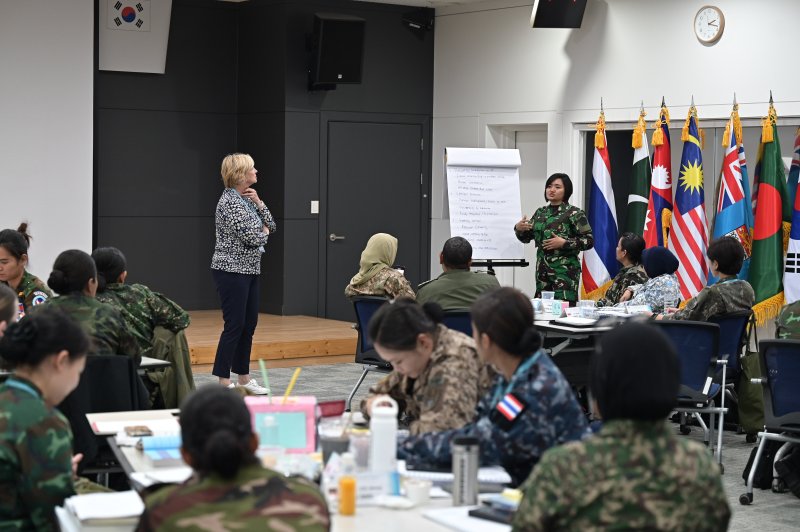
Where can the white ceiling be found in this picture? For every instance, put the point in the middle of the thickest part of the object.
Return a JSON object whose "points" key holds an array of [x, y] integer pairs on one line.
{"points": [[424, 3]]}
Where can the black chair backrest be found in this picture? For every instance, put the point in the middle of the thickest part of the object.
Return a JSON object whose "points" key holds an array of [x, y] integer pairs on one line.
{"points": [[365, 307], [109, 383], [780, 361], [697, 344], [458, 320], [732, 336]]}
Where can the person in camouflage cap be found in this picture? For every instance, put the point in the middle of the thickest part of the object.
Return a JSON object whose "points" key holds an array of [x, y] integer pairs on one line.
{"points": [[74, 278], [30, 290], [376, 275], [635, 474], [629, 254], [727, 295], [155, 321], [438, 376], [530, 407], [47, 351], [560, 231], [230, 490], [787, 325]]}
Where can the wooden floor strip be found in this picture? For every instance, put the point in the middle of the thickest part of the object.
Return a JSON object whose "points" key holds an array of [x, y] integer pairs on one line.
{"points": [[280, 340]]}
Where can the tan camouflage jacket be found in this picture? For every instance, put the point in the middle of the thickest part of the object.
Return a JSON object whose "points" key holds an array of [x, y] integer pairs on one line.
{"points": [[627, 276], [445, 395], [387, 282], [723, 297], [631, 476]]}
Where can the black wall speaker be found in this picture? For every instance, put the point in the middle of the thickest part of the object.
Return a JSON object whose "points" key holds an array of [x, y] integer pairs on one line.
{"points": [[337, 50], [557, 13]]}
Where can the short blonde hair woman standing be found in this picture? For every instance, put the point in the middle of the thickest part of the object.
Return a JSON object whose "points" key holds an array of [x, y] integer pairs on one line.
{"points": [[243, 225]]}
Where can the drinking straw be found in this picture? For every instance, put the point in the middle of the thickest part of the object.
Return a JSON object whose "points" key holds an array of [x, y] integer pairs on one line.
{"points": [[266, 377], [291, 385]]}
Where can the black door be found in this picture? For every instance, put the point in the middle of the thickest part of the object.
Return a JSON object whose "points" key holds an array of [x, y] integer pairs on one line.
{"points": [[374, 185]]}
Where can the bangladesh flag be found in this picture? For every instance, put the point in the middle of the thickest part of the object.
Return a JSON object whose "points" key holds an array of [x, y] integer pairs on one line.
{"points": [[640, 182], [772, 204]]}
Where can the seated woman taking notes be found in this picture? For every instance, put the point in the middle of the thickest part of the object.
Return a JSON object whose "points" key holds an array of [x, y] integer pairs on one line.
{"points": [[376, 275], [531, 406], [230, 490], [438, 376], [47, 351]]}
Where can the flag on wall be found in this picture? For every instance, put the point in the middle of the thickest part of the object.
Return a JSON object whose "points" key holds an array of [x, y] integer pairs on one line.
{"points": [[131, 15], [791, 269], [766, 263], [640, 179], [688, 236], [659, 203], [734, 216], [600, 263]]}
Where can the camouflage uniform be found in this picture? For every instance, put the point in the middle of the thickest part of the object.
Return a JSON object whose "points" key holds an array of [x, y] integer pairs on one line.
{"points": [[723, 297], [387, 282], [788, 323], [627, 276], [551, 416], [102, 322], [31, 292], [654, 291], [35, 458], [559, 270], [445, 394], [456, 288], [631, 476], [157, 323], [256, 499]]}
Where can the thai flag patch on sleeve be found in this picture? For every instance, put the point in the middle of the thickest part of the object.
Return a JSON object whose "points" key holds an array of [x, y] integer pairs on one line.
{"points": [[510, 407]]}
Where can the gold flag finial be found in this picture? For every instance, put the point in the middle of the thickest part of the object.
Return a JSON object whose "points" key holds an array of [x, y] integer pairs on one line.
{"points": [[600, 126]]}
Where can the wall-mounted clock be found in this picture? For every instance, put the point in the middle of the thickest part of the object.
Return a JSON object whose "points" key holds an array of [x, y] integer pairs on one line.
{"points": [[709, 23]]}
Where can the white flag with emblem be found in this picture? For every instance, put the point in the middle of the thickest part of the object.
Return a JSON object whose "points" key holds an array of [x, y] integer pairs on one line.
{"points": [[130, 15]]}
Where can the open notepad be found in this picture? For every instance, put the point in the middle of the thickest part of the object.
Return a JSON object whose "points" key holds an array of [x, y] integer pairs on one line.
{"points": [[486, 475], [122, 507]]}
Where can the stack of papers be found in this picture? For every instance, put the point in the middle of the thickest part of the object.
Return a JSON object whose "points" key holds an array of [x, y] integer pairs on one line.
{"points": [[105, 509]]}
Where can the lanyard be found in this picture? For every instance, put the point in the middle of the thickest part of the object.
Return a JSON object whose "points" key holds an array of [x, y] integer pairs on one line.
{"points": [[13, 383], [521, 369]]}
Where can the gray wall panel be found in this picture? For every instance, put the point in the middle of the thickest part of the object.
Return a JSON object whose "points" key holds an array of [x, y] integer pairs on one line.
{"points": [[300, 283], [170, 255], [301, 169]]}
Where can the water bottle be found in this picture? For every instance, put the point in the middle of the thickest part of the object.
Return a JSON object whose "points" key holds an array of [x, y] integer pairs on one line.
{"points": [[465, 470], [383, 426]]}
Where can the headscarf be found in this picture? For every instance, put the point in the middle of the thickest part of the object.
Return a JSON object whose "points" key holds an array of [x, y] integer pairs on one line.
{"points": [[659, 261], [380, 253], [628, 383]]}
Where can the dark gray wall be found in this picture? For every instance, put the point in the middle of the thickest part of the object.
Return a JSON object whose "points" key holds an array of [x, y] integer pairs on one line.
{"points": [[236, 80]]}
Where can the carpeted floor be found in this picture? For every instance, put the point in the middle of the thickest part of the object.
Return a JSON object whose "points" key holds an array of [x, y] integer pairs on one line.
{"points": [[769, 511]]}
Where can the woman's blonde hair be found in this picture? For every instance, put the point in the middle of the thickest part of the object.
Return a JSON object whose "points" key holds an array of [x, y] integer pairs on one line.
{"points": [[234, 168]]}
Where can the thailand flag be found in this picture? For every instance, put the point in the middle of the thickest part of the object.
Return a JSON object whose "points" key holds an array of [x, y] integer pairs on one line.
{"points": [[734, 217], [688, 237], [510, 407], [660, 192], [791, 269], [600, 262]]}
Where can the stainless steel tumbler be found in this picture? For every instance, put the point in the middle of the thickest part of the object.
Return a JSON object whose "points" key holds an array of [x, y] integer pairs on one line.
{"points": [[465, 470]]}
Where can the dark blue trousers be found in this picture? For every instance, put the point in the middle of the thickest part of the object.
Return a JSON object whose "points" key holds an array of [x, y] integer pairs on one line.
{"points": [[238, 293]]}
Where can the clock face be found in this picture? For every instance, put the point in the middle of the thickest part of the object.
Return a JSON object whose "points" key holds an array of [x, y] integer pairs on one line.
{"points": [[709, 23]]}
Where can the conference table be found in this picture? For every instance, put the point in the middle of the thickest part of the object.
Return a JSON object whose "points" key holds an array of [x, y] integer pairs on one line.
{"points": [[571, 347], [141, 473]]}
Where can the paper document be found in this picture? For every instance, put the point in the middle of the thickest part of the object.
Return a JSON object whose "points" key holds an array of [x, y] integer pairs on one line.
{"points": [[158, 426], [172, 475], [97, 506], [457, 518]]}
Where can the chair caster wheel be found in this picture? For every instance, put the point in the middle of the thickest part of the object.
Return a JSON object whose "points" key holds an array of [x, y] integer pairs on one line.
{"points": [[685, 429], [745, 499], [722, 469]]}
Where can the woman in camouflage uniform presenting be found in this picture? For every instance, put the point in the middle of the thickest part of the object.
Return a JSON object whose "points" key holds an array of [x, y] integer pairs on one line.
{"points": [[560, 232]]}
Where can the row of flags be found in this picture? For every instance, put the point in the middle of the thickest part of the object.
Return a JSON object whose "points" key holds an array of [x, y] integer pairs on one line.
{"points": [[760, 220]]}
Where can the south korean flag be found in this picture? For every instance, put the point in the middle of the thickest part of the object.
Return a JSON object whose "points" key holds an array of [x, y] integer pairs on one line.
{"points": [[791, 268], [130, 15]]}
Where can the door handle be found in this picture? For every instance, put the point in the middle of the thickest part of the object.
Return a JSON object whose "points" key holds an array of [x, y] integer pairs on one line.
{"points": [[333, 237]]}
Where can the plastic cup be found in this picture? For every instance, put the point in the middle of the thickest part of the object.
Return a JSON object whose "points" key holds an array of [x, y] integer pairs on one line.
{"points": [[333, 444], [548, 296], [418, 491], [587, 308]]}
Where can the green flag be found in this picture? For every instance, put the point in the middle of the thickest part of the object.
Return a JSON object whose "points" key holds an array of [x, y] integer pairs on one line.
{"points": [[640, 181], [772, 202]]}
